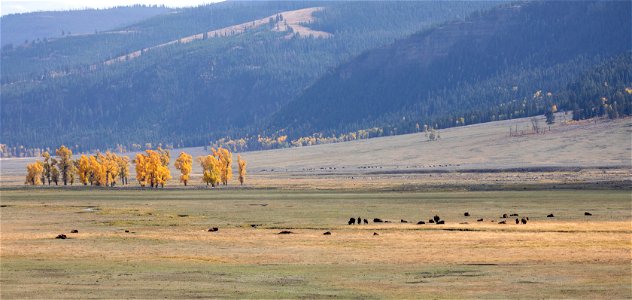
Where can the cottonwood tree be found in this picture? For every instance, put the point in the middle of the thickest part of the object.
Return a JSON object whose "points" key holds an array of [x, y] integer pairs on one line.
{"points": [[241, 164], [65, 162], [211, 170], [34, 173], [225, 159], [184, 164]]}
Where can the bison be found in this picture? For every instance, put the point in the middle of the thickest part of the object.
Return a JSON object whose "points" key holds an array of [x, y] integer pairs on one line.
{"points": [[587, 214], [550, 216], [366, 221], [466, 214], [286, 232], [61, 236], [479, 220], [351, 221], [436, 218], [504, 216], [517, 221], [327, 233], [375, 233], [524, 221], [376, 220], [440, 222], [403, 221], [214, 229], [74, 231], [502, 222], [421, 223]]}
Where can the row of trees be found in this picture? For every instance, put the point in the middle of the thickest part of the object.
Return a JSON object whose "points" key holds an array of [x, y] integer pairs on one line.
{"points": [[100, 169], [152, 168]]}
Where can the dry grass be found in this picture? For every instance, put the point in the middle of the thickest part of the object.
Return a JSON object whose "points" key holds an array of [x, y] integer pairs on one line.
{"points": [[168, 251]]}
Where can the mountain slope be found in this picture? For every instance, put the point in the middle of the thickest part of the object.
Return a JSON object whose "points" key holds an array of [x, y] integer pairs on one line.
{"points": [[484, 68], [18, 28], [191, 93]]}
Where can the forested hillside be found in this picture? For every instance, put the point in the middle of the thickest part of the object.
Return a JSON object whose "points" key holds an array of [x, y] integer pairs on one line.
{"points": [[514, 61], [191, 93], [25, 29]]}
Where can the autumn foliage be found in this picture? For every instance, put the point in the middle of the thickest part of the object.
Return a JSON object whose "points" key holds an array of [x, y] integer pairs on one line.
{"points": [[152, 168], [241, 164], [184, 164]]}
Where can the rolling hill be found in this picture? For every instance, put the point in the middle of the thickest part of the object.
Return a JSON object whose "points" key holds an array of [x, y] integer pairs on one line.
{"points": [[191, 93], [487, 67]]}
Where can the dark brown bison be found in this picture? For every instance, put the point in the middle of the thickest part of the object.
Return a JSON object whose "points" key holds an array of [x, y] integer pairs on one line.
{"points": [[587, 214], [74, 231], [517, 221], [466, 214], [286, 232], [550, 216], [366, 221], [375, 233], [524, 221], [479, 220], [513, 215], [502, 222], [403, 221], [440, 222], [214, 229], [436, 218], [376, 220], [421, 223], [61, 236], [359, 221], [504, 216], [351, 221], [327, 233]]}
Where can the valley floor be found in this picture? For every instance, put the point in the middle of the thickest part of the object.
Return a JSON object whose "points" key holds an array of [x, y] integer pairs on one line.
{"points": [[150, 244]]}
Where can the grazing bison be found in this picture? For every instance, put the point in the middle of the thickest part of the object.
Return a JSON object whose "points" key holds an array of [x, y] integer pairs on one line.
{"points": [[351, 221], [431, 221], [513, 215], [466, 214], [479, 220], [517, 221], [504, 216], [286, 232], [587, 214], [375, 233], [366, 221], [524, 221], [440, 222], [214, 229], [327, 233], [550, 216], [436, 218], [74, 231], [403, 221], [421, 223], [359, 221], [376, 220], [502, 222], [61, 236]]}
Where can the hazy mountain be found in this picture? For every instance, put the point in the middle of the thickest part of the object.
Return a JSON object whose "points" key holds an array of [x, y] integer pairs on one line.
{"points": [[165, 85], [19, 29], [487, 67]]}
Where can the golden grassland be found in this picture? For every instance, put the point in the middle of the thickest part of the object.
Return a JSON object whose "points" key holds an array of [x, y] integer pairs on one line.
{"points": [[168, 251]]}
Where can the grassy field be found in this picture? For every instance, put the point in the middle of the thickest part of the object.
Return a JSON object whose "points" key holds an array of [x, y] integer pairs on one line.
{"points": [[168, 251]]}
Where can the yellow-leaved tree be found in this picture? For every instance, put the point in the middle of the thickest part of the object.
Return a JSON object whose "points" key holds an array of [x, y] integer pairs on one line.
{"points": [[34, 173], [225, 159], [141, 169], [151, 168], [184, 164], [83, 169], [123, 165], [98, 174], [241, 164], [210, 170], [64, 163], [110, 163]]}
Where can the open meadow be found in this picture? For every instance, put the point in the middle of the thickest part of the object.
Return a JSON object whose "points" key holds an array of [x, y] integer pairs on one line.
{"points": [[148, 244]]}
